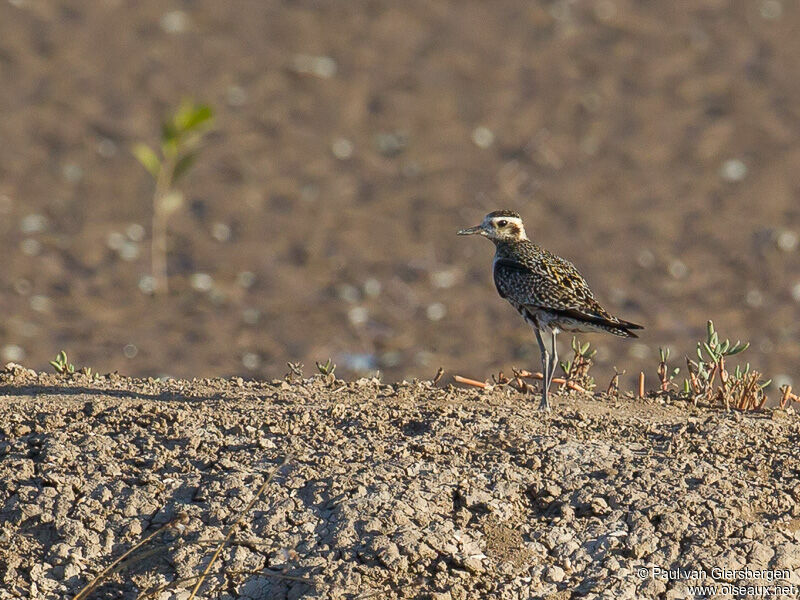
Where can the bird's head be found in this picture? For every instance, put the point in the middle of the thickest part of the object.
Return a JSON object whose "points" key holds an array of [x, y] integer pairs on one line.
{"points": [[500, 226]]}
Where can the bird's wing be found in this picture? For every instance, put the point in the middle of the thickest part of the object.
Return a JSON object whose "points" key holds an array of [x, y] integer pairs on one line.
{"points": [[553, 284]]}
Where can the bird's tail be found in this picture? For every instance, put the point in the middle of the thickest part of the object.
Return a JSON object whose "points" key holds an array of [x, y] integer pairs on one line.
{"points": [[623, 328], [602, 320]]}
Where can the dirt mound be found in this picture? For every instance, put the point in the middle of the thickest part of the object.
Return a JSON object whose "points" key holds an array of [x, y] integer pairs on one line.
{"points": [[388, 491]]}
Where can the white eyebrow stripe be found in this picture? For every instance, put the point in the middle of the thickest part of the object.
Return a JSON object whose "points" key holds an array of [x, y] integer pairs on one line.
{"points": [[514, 220]]}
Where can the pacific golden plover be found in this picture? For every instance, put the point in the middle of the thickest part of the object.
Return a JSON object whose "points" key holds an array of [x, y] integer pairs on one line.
{"points": [[545, 289]]}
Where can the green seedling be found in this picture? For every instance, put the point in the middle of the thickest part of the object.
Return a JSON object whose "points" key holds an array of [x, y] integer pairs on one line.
{"points": [[664, 374], [328, 371], [62, 365], [743, 388], [326, 368], [295, 370], [577, 369], [181, 136]]}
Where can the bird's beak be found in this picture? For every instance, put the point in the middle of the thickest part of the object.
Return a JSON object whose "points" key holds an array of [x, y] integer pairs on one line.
{"points": [[471, 230]]}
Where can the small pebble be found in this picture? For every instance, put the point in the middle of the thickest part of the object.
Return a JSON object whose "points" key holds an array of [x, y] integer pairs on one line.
{"points": [[482, 137], [72, 172], [733, 170], [221, 232], [754, 298], [235, 96], [372, 288], [24, 287], [646, 258], [251, 360], [436, 311], [34, 223], [445, 278], [115, 240], [323, 67], [175, 21], [787, 240], [246, 279], [782, 379], [106, 148], [342, 148], [678, 269], [391, 144], [147, 284], [129, 251], [135, 232], [251, 316], [202, 282], [358, 315], [771, 9], [391, 359], [31, 247], [13, 353], [348, 293], [605, 10], [41, 303]]}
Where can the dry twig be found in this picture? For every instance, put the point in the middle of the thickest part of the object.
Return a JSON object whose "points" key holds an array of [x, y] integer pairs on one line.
{"points": [[118, 564], [559, 380], [787, 396], [232, 529], [518, 377], [613, 385], [472, 382]]}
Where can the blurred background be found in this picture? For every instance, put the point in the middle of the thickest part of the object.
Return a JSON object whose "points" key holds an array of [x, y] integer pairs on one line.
{"points": [[653, 143]]}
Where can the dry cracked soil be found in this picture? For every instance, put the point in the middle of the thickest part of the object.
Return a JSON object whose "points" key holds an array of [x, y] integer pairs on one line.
{"points": [[376, 490]]}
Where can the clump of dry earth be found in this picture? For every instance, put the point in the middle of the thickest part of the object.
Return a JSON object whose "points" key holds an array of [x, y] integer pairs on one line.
{"points": [[403, 490]]}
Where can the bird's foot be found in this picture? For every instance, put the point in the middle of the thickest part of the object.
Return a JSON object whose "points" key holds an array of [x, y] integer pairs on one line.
{"points": [[544, 405]]}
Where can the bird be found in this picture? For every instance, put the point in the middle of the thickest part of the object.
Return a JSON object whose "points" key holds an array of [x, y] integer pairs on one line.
{"points": [[547, 290]]}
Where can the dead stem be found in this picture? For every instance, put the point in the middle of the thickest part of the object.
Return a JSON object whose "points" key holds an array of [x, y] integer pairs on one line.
{"points": [[120, 562], [472, 382], [559, 380], [613, 385], [788, 397], [235, 526]]}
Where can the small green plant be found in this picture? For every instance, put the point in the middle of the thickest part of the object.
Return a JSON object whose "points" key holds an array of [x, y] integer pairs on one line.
{"points": [[62, 365], [181, 136], [613, 385], [326, 368], [664, 374], [577, 369], [744, 389], [295, 370], [328, 371]]}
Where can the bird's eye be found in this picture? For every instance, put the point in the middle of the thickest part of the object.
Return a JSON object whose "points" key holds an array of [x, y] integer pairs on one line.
{"points": [[502, 223]]}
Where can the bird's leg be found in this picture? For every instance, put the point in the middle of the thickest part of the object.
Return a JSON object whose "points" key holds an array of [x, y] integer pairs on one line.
{"points": [[544, 405], [551, 369], [553, 356]]}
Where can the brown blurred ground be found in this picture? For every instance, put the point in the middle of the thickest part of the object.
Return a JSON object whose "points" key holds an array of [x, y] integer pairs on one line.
{"points": [[653, 143]]}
